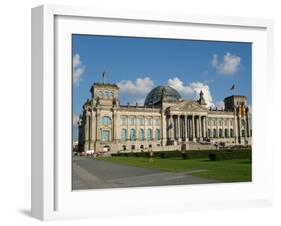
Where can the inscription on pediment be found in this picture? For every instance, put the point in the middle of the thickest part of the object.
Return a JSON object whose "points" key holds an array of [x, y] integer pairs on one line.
{"points": [[188, 107]]}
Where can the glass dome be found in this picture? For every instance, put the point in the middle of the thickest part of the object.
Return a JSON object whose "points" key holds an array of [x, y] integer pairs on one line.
{"points": [[155, 95]]}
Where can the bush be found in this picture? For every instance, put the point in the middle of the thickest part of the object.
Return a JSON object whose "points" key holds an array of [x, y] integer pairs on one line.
{"points": [[212, 155], [168, 154], [230, 155]]}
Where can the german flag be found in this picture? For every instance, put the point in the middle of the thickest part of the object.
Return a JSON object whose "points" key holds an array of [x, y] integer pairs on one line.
{"points": [[241, 110]]}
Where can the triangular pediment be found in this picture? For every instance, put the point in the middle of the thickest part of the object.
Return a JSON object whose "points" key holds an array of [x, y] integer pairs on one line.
{"points": [[188, 106]]}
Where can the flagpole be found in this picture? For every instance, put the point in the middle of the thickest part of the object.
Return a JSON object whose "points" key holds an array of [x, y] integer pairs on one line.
{"points": [[232, 89]]}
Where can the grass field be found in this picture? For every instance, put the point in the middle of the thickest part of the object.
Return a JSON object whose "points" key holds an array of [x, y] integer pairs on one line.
{"points": [[236, 170]]}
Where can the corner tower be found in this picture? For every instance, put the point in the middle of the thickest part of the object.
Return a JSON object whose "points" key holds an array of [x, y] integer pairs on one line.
{"points": [[105, 94]]}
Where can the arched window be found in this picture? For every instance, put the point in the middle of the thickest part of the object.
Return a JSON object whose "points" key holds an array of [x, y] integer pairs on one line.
{"points": [[214, 133], [123, 134], [231, 133], [220, 133], [141, 134], [209, 132], [132, 134], [157, 134], [149, 134], [106, 121], [226, 133]]}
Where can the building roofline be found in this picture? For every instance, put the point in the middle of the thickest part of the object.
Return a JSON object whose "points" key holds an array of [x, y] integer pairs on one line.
{"points": [[234, 96], [105, 84]]}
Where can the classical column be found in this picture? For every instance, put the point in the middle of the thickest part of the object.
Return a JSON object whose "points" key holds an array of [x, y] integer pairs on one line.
{"points": [[186, 129], [136, 128], [153, 128], [178, 128], [248, 123], [173, 127], [228, 128], [202, 127], [114, 137], [86, 131], [217, 128], [235, 128], [86, 128], [205, 126], [223, 128], [93, 130], [169, 127], [144, 127], [211, 127], [199, 127], [163, 129], [239, 128], [127, 128], [193, 128]]}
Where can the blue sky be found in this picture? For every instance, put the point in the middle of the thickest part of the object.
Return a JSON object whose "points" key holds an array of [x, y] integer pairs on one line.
{"points": [[139, 64]]}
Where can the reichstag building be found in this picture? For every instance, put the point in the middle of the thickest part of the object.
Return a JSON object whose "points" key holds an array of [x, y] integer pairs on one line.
{"points": [[164, 122]]}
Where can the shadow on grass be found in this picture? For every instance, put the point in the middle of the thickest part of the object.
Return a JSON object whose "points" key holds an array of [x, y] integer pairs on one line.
{"points": [[206, 160], [246, 162]]}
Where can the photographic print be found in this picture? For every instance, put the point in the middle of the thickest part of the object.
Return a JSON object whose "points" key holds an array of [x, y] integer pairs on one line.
{"points": [[155, 112]]}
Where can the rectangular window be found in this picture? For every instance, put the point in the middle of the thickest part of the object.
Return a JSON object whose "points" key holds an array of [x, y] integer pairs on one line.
{"points": [[156, 122], [148, 122], [105, 135], [131, 121], [123, 120]]}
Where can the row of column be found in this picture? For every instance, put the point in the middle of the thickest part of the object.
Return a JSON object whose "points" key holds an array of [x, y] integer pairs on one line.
{"points": [[186, 127]]}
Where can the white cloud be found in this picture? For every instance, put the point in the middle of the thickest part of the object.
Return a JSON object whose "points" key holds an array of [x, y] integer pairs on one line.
{"points": [[177, 84], [136, 91], [140, 101], [78, 69], [138, 88], [250, 108], [219, 105], [192, 90], [228, 66], [75, 119]]}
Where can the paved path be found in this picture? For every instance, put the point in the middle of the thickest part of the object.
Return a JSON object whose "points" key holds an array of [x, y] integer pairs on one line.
{"points": [[93, 174]]}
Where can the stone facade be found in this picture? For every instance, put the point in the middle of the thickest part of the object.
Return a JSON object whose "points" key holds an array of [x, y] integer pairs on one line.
{"points": [[165, 122]]}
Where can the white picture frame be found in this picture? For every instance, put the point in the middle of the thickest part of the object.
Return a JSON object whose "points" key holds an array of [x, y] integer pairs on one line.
{"points": [[52, 197]]}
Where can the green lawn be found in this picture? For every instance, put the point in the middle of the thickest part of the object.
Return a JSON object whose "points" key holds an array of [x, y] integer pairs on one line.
{"points": [[236, 170]]}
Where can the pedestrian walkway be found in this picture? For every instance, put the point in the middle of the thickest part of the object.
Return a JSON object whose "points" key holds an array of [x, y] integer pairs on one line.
{"points": [[95, 174]]}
